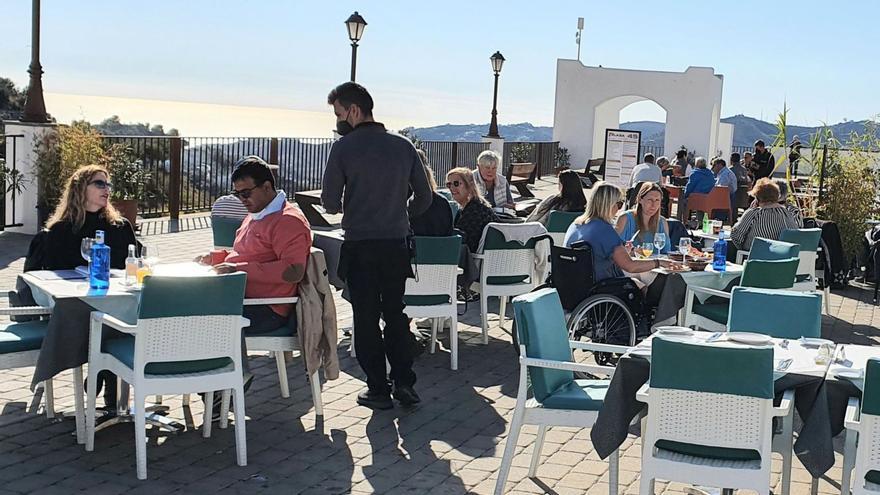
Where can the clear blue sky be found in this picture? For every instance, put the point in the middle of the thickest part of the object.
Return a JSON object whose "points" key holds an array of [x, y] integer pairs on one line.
{"points": [[428, 61]]}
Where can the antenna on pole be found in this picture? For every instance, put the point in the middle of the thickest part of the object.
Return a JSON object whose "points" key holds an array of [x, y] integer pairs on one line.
{"points": [[577, 36]]}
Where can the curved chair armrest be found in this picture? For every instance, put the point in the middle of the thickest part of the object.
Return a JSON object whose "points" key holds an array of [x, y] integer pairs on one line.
{"points": [[112, 322], [270, 300], [785, 405], [851, 420], [711, 292], [643, 393], [593, 346], [459, 271], [740, 256], [565, 365], [245, 322], [25, 310]]}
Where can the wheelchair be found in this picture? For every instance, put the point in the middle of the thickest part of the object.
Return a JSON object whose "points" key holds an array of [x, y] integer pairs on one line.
{"points": [[611, 311]]}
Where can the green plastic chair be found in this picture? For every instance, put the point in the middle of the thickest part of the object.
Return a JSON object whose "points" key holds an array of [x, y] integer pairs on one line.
{"points": [[861, 466], [224, 229], [710, 416], [712, 314], [558, 223], [547, 367], [807, 275], [187, 339], [770, 250], [20, 344]]}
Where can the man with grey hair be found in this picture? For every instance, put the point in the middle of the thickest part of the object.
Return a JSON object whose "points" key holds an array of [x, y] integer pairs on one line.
{"points": [[701, 181], [492, 185]]}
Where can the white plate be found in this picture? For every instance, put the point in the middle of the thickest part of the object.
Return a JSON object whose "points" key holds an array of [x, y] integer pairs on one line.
{"points": [[813, 342], [673, 330], [848, 373], [748, 338]]}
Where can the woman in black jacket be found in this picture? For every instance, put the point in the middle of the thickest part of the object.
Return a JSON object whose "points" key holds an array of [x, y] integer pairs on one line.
{"points": [[569, 198]]}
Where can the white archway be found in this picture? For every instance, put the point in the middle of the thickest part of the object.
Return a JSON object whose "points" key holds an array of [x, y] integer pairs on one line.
{"points": [[589, 100]]}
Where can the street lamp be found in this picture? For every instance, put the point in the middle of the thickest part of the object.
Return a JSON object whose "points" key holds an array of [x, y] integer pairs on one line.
{"points": [[497, 61], [34, 105], [355, 24]]}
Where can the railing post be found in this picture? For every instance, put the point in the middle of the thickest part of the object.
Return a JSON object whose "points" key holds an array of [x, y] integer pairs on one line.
{"points": [[174, 183], [539, 165], [273, 151], [454, 155]]}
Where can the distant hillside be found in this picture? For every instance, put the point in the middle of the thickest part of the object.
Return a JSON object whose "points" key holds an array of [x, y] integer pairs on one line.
{"points": [[746, 131], [114, 127]]}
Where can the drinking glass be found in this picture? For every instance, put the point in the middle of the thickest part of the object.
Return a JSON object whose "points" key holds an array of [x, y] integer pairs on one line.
{"points": [[150, 254], [647, 249], [684, 247], [85, 249], [659, 241]]}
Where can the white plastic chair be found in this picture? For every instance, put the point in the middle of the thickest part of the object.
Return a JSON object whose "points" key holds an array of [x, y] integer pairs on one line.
{"points": [[432, 293], [187, 339], [808, 277], [706, 427], [547, 368], [861, 453], [507, 269], [278, 342]]}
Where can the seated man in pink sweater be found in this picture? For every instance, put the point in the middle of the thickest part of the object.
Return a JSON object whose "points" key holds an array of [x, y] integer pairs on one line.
{"points": [[271, 246]]}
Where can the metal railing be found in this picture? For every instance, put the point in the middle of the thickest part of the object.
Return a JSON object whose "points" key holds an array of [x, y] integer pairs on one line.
{"points": [[542, 154], [446, 155], [9, 149]]}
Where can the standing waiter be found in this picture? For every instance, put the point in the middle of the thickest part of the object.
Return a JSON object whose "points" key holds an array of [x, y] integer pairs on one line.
{"points": [[370, 176]]}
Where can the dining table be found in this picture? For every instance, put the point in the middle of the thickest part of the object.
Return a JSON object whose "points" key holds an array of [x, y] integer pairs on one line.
{"points": [[802, 374]]}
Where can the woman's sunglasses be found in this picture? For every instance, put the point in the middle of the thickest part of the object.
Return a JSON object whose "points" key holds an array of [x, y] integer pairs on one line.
{"points": [[101, 184], [455, 183]]}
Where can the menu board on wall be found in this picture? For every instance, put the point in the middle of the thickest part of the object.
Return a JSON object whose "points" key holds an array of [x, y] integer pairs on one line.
{"points": [[621, 155]]}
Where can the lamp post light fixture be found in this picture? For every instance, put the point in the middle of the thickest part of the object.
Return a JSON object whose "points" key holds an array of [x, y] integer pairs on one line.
{"points": [[497, 61], [35, 106], [355, 24]]}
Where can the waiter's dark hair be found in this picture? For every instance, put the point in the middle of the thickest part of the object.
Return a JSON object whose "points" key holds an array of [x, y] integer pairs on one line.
{"points": [[352, 93]]}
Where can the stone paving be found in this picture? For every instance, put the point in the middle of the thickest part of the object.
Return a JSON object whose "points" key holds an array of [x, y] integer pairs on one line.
{"points": [[450, 444]]}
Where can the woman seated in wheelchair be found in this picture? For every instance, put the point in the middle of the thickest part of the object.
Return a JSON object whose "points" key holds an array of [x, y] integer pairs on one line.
{"points": [[640, 224], [596, 227]]}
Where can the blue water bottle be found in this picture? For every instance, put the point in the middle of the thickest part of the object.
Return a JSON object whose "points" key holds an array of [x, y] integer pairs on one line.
{"points": [[719, 259], [99, 270]]}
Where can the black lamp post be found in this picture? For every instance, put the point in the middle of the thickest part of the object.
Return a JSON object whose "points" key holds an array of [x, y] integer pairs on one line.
{"points": [[355, 24], [497, 61], [35, 106]]}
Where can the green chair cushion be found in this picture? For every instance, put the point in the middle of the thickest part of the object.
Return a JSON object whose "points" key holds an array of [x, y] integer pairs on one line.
{"points": [[716, 312], [873, 476], [769, 274], [192, 296], [871, 395], [707, 452], [793, 315], [123, 349], [768, 249], [540, 325], [507, 280], [224, 230], [558, 221], [19, 337], [426, 300], [437, 250], [582, 395], [807, 239]]}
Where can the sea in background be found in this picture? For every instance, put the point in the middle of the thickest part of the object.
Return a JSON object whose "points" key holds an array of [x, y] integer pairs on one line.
{"points": [[199, 119]]}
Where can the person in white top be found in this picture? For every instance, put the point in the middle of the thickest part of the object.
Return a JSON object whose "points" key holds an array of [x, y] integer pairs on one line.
{"points": [[646, 171]]}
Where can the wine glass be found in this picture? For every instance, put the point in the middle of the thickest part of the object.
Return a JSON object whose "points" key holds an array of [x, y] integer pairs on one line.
{"points": [[150, 254], [684, 247], [647, 249], [659, 241], [85, 249]]}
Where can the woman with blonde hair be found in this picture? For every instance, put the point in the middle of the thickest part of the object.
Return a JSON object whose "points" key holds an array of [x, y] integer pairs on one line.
{"points": [[475, 212], [596, 228], [83, 209]]}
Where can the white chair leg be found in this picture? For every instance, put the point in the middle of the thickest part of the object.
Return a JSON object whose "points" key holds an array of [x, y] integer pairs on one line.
{"points": [[646, 483], [827, 299], [787, 439], [206, 415], [140, 434], [536, 451], [315, 384], [434, 324], [453, 341], [78, 408], [282, 374], [50, 398], [484, 315], [90, 408], [509, 450], [240, 434], [502, 309], [849, 461], [225, 396], [613, 472]]}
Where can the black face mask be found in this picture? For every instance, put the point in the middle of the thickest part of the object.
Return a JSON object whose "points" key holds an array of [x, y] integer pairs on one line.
{"points": [[343, 127]]}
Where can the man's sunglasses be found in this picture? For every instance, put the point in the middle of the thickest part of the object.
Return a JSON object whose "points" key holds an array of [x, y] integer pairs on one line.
{"points": [[244, 193], [455, 183], [101, 184]]}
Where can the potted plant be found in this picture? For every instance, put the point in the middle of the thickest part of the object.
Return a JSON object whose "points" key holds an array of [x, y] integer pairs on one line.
{"points": [[563, 160], [129, 179], [11, 180]]}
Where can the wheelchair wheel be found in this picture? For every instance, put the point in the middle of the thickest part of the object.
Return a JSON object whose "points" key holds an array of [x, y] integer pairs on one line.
{"points": [[604, 319]]}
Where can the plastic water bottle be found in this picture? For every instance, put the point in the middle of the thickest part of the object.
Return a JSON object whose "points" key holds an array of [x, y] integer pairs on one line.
{"points": [[99, 270], [131, 267], [719, 258]]}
